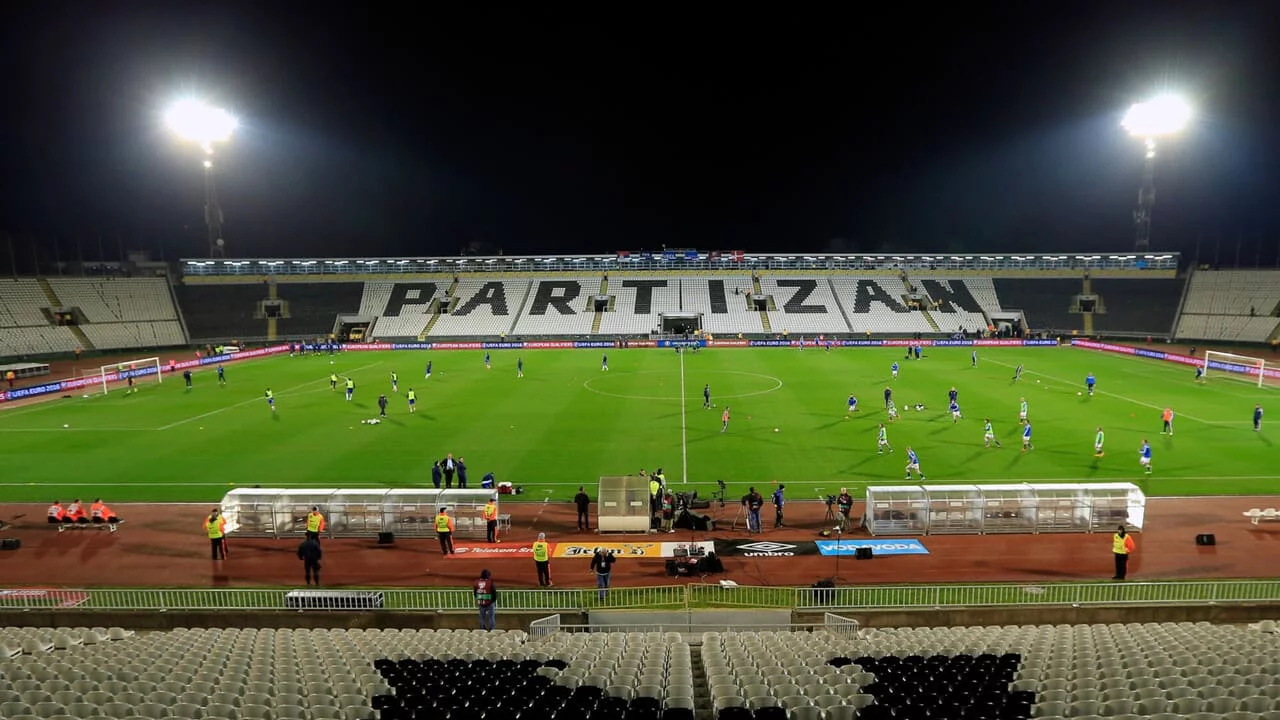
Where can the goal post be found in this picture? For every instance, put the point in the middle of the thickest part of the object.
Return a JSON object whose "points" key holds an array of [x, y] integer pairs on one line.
{"points": [[141, 370], [1237, 367]]}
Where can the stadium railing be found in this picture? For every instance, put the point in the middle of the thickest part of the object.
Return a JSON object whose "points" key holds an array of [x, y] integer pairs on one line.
{"points": [[854, 597]]}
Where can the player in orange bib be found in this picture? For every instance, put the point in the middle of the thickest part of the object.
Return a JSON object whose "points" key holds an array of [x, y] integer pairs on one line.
{"points": [[724, 419]]}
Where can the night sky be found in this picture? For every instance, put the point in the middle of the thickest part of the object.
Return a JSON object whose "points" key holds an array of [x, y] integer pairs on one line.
{"points": [[980, 127]]}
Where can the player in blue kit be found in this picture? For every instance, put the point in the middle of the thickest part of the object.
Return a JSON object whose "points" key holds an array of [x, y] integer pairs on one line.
{"points": [[1199, 373], [1257, 418], [1089, 382], [706, 396], [894, 369], [952, 395], [1026, 438], [955, 412], [853, 405], [487, 366], [428, 377], [913, 463], [888, 397], [1144, 456], [222, 375]]}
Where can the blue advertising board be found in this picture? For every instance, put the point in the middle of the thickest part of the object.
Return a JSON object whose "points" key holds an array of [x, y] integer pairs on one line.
{"points": [[879, 546]]}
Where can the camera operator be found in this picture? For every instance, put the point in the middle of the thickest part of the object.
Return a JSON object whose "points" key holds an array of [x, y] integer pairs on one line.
{"points": [[753, 501], [845, 504]]}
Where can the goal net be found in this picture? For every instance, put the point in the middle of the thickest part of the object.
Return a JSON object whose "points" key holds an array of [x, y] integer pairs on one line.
{"points": [[116, 375], [1239, 367]]}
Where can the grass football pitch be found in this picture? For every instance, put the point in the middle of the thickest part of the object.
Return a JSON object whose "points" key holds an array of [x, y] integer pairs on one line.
{"points": [[568, 422]]}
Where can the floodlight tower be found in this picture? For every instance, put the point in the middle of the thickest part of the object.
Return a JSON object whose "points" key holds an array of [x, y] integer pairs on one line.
{"points": [[1159, 118], [205, 125]]}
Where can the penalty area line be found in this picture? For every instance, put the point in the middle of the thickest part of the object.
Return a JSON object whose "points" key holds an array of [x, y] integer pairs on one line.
{"points": [[250, 401], [1130, 400]]}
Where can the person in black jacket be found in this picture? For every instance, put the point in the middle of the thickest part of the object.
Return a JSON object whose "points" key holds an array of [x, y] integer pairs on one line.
{"points": [[449, 467], [602, 564], [309, 553], [583, 501], [462, 473], [436, 474]]}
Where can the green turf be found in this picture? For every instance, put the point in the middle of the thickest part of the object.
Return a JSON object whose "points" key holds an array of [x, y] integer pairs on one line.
{"points": [[567, 423]]}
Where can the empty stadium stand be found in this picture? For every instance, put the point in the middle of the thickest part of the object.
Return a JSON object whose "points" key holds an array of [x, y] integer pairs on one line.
{"points": [[804, 306], [960, 307], [110, 314], [878, 305], [482, 307], [1157, 671], [560, 306], [221, 312], [1146, 306], [401, 309], [111, 300], [1230, 305], [314, 307], [639, 303], [226, 311], [722, 302], [1045, 303]]}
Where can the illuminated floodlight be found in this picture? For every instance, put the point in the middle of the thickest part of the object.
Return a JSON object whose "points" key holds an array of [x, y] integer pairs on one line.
{"points": [[200, 123], [1160, 117]]}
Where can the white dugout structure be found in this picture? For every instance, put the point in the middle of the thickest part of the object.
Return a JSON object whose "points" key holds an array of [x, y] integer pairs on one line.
{"points": [[282, 513], [1013, 508]]}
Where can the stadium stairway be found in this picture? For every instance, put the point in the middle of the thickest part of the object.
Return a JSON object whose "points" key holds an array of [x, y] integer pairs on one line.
{"points": [[599, 318], [47, 289], [764, 321], [1086, 288], [843, 313], [435, 317], [929, 319], [85, 343]]}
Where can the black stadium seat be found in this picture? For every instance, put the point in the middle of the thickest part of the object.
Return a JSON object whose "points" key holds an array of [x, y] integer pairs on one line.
{"points": [[940, 687]]}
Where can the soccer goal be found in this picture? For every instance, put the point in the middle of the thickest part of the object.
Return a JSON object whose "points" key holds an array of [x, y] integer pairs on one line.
{"points": [[142, 370], [1238, 367]]}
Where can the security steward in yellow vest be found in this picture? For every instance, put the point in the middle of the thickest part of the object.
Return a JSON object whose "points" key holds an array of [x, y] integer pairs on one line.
{"points": [[216, 527], [542, 560], [1122, 546], [491, 521], [655, 500], [315, 523], [444, 531]]}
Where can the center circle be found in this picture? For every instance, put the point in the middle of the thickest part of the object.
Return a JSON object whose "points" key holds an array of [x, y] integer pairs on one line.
{"points": [[775, 382]]}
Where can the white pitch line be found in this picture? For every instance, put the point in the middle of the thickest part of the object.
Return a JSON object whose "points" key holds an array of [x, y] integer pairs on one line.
{"points": [[684, 428], [211, 413], [992, 481], [1121, 397]]}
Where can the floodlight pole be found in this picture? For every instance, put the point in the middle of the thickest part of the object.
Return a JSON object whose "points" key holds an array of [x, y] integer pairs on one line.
{"points": [[1146, 199], [212, 210]]}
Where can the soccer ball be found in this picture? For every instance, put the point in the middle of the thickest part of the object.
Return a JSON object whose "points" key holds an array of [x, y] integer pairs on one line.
{"points": [[1079, 393], [330, 362], [775, 430], [66, 426]]}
